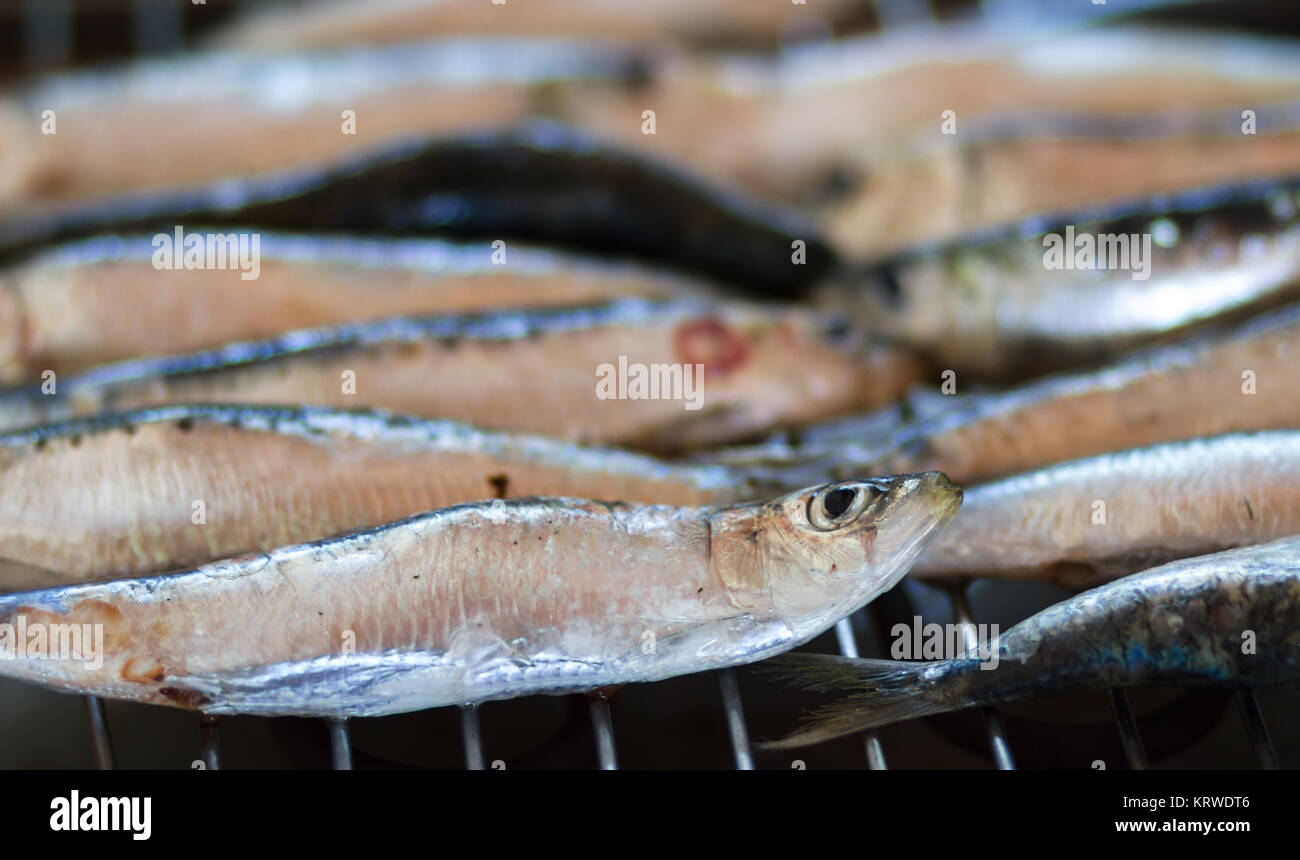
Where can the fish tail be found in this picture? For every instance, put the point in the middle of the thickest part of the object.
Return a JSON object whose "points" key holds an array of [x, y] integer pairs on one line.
{"points": [[879, 692]]}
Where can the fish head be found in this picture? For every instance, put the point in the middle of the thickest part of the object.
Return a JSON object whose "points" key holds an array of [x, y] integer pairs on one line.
{"points": [[818, 554]]}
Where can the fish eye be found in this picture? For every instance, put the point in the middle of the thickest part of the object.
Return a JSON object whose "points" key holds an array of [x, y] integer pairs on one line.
{"points": [[835, 507]]}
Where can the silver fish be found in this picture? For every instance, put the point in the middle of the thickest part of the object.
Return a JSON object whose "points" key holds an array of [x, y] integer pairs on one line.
{"points": [[1231, 619], [1090, 520], [153, 490], [62, 310], [1057, 291], [483, 601]]}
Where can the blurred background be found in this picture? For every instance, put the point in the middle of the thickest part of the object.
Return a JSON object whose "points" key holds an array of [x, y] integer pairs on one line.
{"points": [[829, 107]]}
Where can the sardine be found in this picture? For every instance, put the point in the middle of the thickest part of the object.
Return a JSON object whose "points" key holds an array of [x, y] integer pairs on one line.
{"points": [[540, 182], [1230, 380], [1084, 522], [164, 489], [63, 310], [391, 21], [487, 601], [774, 126], [932, 191], [656, 374], [160, 123], [1231, 619], [1019, 303]]}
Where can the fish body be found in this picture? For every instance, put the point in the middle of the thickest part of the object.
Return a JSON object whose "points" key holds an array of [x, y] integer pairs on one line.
{"points": [[164, 489], [489, 600], [565, 372], [1083, 522], [62, 310], [1061, 290], [931, 192], [136, 126], [1232, 379], [539, 181], [1231, 619], [390, 21]]}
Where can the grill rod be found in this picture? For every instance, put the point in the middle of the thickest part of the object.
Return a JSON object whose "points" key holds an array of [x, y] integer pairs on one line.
{"points": [[99, 737], [210, 741], [992, 719], [472, 735], [1134, 750], [340, 744], [849, 648], [1260, 742], [735, 714], [603, 723]]}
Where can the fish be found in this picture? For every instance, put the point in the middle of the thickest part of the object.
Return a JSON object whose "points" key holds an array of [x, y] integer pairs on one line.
{"points": [[1003, 307], [1229, 619], [999, 170], [1085, 522], [132, 493], [772, 125], [62, 310], [395, 21], [538, 181], [137, 126], [660, 375], [1232, 378], [485, 601], [788, 136]]}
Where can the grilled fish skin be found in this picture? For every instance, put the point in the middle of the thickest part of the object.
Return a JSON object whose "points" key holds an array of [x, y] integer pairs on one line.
{"points": [[538, 182], [527, 370], [62, 310], [112, 496], [490, 600], [1181, 624], [1231, 380], [990, 306], [1158, 504]]}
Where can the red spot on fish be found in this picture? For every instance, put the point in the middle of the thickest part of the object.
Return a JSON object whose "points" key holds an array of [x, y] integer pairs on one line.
{"points": [[710, 343]]}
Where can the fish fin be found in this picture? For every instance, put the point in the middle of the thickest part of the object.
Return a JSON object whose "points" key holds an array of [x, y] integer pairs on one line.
{"points": [[879, 692], [16, 575]]}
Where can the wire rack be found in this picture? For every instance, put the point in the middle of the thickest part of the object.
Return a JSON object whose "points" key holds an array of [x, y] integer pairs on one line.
{"points": [[734, 713]]}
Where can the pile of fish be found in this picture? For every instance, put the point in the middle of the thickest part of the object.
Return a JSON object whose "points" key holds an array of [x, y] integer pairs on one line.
{"points": [[367, 363]]}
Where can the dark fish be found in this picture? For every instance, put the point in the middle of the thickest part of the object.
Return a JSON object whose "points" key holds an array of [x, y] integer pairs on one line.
{"points": [[1226, 620], [543, 183]]}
